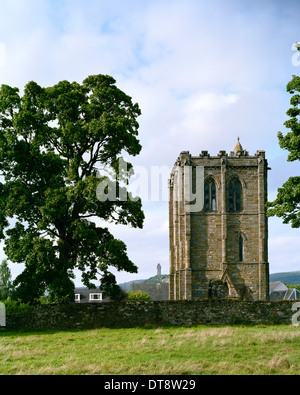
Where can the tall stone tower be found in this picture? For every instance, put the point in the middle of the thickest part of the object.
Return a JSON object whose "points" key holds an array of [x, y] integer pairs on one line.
{"points": [[159, 269], [218, 226]]}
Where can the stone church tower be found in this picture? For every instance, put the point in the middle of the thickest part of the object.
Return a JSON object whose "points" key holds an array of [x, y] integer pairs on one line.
{"points": [[218, 226]]}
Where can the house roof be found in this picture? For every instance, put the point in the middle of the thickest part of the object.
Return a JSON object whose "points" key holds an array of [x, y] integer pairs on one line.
{"points": [[85, 293], [276, 286], [279, 291]]}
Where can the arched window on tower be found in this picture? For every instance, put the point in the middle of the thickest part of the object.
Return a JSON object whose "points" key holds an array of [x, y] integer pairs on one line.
{"points": [[241, 248], [210, 195], [234, 195]]}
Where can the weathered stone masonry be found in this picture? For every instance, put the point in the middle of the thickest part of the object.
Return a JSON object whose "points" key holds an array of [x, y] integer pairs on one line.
{"points": [[221, 250], [134, 314]]}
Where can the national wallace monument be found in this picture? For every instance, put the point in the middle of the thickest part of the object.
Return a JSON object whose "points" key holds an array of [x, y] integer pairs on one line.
{"points": [[221, 250]]}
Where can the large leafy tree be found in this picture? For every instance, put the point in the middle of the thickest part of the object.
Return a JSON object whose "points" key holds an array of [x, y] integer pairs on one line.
{"points": [[287, 203], [54, 144]]}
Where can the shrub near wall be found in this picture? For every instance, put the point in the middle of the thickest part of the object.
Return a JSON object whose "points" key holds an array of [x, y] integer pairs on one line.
{"points": [[133, 314]]}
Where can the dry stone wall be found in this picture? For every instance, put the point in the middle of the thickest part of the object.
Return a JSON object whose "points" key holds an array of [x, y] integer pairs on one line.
{"points": [[134, 314]]}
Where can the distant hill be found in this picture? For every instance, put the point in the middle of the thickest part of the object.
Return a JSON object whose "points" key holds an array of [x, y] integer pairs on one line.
{"points": [[155, 279], [292, 278], [164, 278]]}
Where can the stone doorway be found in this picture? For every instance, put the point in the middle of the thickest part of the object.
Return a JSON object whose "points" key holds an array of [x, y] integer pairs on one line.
{"points": [[218, 289]]}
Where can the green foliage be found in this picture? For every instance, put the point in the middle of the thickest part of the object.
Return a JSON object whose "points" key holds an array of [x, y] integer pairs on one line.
{"points": [[6, 288], [164, 278], [14, 307], [55, 144], [110, 287], [287, 203], [297, 286], [138, 296]]}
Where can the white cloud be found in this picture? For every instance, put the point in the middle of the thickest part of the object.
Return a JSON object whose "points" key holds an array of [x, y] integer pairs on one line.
{"points": [[202, 72], [284, 254]]}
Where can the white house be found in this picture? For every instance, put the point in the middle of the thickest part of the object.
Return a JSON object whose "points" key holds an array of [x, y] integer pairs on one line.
{"points": [[84, 295]]}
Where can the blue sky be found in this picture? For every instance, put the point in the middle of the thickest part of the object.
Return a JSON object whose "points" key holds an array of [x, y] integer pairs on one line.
{"points": [[203, 73]]}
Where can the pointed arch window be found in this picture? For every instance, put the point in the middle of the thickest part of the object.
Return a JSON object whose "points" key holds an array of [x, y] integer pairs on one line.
{"points": [[234, 196], [241, 248], [210, 195]]}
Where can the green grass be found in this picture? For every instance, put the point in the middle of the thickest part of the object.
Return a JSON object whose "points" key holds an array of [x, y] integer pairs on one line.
{"points": [[169, 350]]}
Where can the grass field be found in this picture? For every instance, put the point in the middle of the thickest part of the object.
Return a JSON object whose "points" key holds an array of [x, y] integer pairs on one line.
{"points": [[169, 350]]}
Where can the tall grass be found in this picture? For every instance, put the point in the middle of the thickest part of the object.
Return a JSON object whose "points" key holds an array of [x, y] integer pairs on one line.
{"points": [[140, 351]]}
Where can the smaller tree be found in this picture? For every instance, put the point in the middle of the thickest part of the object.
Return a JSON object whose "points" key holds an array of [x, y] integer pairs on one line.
{"points": [[287, 203], [5, 281]]}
